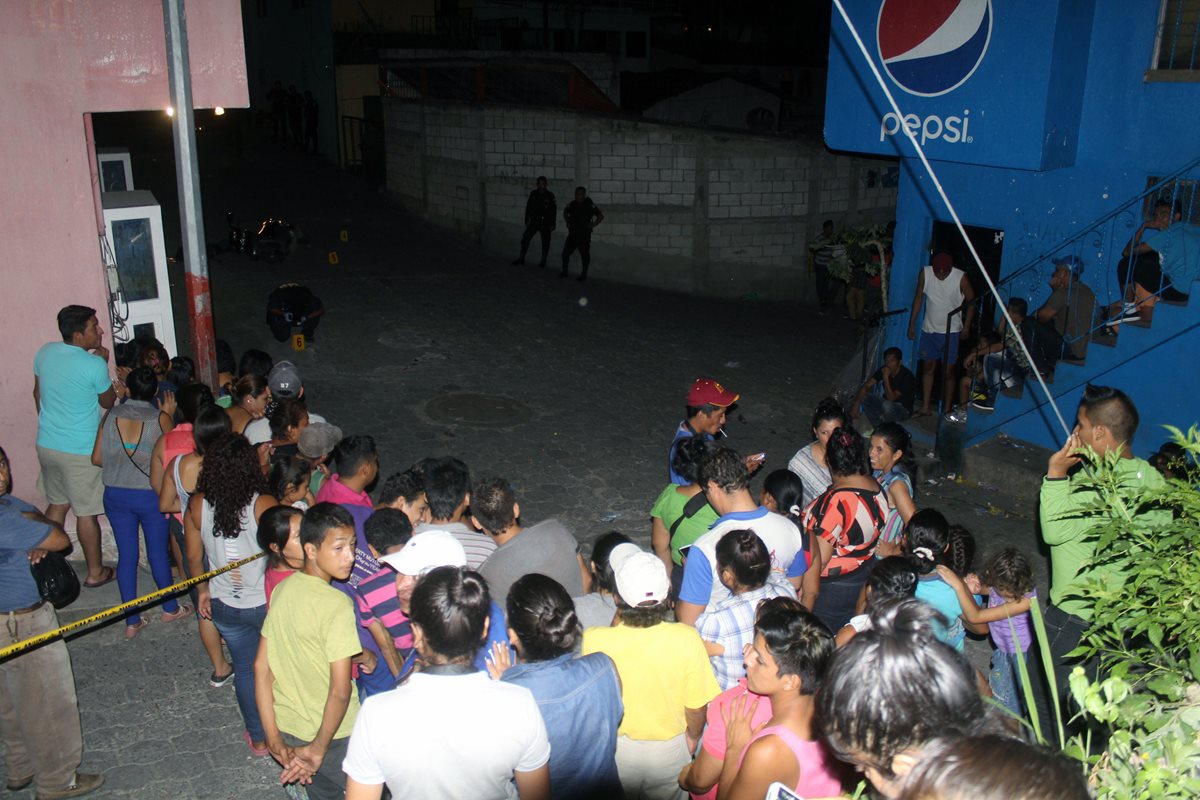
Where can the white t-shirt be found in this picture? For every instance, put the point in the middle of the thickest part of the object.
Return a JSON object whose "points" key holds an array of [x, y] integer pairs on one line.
{"points": [[259, 430], [701, 581], [441, 736]]}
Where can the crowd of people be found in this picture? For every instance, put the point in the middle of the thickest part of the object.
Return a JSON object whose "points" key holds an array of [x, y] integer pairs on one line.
{"points": [[432, 642]]}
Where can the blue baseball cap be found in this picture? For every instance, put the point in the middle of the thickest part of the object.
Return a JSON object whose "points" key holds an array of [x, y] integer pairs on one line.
{"points": [[1072, 263]]}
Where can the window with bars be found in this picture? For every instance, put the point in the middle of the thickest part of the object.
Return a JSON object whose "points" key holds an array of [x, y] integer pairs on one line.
{"points": [[1177, 45]]}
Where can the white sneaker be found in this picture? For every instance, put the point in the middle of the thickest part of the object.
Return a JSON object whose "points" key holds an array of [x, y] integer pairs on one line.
{"points": [[1129, 313]]}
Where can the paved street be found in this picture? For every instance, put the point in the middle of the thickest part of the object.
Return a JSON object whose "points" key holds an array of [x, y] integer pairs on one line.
{"points": [[570, 390]]}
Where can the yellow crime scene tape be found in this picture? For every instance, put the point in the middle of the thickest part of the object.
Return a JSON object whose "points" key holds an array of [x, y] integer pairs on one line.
{"points": [[42, 638]]}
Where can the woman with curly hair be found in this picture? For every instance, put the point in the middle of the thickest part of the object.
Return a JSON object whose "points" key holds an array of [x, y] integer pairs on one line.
{"points": [[222, 523]]}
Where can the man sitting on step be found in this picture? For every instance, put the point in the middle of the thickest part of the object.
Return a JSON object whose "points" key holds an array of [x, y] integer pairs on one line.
{"points": [[1164, 259]]}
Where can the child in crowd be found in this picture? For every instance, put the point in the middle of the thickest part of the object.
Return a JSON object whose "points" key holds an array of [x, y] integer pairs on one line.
{"points": [[279, 538], [744, 567], [892, 689], [892, 465], [316, 442], [787, 662], [927, 544], [597, 609], [288, 478], [1007, 580], [783, 492], [993, 767], [302, 672], [892, 578], [961, 555], [388, 530]]}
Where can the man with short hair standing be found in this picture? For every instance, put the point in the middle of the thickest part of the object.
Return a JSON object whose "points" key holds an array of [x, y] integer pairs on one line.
{"points": [[541, 217], [941, 289], [70, 386], [581, 216]]}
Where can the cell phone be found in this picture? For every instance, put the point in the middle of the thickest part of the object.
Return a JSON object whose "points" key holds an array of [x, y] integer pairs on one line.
{"points": [[777, 791]]}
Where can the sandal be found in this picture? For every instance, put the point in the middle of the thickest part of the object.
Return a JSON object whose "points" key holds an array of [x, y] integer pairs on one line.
{"points": [[184, 610], [259, 752], [112, 576], [131, 631]]}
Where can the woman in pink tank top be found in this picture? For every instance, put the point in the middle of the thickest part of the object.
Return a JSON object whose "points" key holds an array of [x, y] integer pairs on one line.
{"points": [[786, 663]]}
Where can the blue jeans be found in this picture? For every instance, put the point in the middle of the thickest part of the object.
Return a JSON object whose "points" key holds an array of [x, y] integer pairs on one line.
{"points": [[241, 628], [879, 410], [1005, 681], [1001, 372], [126, 509]]}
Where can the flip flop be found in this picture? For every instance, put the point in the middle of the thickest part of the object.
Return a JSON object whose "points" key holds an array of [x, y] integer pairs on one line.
{"points": [[922, 413], [112, 576]]}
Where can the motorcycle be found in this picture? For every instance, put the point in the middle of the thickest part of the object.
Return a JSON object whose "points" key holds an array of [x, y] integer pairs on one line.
{"points": [[271, 241]]}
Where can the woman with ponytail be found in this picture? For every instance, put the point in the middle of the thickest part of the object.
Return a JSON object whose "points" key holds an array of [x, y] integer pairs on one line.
{"points": [[579, 696], [783, 493], [927, 544], [847, 520]]}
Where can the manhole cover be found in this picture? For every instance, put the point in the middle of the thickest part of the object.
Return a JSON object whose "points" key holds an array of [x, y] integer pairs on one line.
{"points": [[479, 410]]}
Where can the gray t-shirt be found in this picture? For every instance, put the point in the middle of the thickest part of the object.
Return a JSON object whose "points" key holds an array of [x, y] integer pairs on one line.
{"points": [[595, 610], [547, 548]]}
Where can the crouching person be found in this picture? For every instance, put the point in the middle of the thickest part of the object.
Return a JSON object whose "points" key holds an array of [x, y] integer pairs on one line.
{"points": [[473, 737]]}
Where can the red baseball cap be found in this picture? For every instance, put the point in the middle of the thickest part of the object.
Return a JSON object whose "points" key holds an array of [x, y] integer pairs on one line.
{"points": [[706, 390]]}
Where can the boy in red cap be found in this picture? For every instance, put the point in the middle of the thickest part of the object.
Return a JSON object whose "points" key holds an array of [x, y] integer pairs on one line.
{"points": [[707, 402]]}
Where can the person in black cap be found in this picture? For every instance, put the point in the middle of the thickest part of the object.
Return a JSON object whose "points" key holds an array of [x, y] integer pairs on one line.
{"points": [[541, 216], [291, 306]]}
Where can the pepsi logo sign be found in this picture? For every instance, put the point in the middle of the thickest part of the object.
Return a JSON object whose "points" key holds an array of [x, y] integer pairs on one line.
{"points": [[931, 47]]}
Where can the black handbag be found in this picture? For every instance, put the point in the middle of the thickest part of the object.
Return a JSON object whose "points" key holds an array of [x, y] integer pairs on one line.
{"points": [[56, 579]]}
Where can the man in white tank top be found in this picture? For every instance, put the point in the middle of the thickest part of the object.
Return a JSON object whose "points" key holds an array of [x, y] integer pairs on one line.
{"points": [[941, 288]]}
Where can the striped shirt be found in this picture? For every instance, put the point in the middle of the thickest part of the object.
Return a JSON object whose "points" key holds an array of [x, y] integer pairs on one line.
{"points": [[378, 593], [477, 545]]}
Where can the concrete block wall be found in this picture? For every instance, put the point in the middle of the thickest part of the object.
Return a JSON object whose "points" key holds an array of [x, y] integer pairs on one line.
{"points": [[685, 209]]}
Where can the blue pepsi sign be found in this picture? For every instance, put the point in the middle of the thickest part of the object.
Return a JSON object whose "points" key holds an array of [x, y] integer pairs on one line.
{"points": [[976, 82]]}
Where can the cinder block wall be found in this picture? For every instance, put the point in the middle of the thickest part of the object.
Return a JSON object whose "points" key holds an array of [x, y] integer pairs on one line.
{"points": [[686, 209]]}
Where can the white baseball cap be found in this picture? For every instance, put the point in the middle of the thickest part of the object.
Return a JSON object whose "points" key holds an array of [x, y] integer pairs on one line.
{"points": [[641, 577], [426, 551]]}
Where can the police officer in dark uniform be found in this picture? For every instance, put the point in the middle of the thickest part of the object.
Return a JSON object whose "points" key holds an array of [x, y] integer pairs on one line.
{"points": [[581, 215], [541, 216]]}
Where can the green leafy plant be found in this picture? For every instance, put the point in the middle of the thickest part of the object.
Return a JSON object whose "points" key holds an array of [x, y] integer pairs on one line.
{"points": [[858, 247], [1144, 636]]}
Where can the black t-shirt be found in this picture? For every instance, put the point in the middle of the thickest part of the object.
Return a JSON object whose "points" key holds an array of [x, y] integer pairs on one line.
{"points": [[579, 215], [902, 382]]}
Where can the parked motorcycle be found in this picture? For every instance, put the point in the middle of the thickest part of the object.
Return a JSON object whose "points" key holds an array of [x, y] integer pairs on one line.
{"points": [[271, 241]]}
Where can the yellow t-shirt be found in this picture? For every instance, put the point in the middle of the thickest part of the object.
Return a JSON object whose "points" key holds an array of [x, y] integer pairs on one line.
{"points": [[663, 670], [310, 625]]}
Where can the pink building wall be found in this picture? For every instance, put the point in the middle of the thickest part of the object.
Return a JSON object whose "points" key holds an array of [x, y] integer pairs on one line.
{"points": [[60, 59]]}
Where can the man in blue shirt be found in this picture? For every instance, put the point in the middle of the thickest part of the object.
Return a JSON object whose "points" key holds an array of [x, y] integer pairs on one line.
{"points": [[70, 386], [39, 714], [707, 404]]}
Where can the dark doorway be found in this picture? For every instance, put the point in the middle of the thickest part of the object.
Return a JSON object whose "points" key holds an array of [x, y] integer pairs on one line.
{"points": [[989, 244]]}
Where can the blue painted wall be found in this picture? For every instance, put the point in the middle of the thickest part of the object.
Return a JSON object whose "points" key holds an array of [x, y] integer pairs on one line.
{"points": [[1091, 67]]}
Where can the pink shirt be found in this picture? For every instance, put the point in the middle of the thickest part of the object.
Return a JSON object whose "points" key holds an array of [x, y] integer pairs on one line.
{"points": [[272, 578], [714, 734], [334, 491], [820, 772]]}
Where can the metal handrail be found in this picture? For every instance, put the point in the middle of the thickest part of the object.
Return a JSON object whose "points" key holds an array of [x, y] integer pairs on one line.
{"points": [[962, 309], [1122, 208]]}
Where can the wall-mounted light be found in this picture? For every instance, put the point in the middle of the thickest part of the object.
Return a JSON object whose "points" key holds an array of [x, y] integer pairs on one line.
{"points": [[170, 111], [218, 111]]}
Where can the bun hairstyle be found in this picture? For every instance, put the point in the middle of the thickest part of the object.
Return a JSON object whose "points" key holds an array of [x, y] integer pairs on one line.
{"points": [[846, 453], [894, 687], [828, 409], [142, 384], [746, 555], [451, 606], [893, 577], [926, 538], [542, 614], [689, 455]]}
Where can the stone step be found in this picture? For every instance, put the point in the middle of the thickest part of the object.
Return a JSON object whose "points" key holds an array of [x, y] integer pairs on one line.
{"points": [[1014, 465]]}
